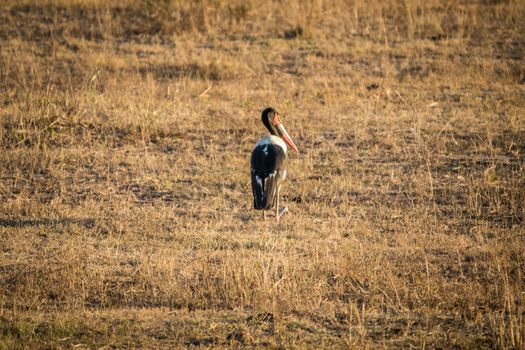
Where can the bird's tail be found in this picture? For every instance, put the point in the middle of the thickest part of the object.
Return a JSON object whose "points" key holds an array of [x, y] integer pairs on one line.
{"points": [[264, 190]]}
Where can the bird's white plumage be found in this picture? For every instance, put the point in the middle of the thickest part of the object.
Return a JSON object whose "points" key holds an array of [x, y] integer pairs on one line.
{"points": [[272, 139]]}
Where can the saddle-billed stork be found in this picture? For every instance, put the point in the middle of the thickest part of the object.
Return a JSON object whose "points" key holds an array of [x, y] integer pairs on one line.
{"points": [[268, 164]]}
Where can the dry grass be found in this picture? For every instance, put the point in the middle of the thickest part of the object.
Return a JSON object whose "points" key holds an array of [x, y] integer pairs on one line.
{"points": [[125, 206]]}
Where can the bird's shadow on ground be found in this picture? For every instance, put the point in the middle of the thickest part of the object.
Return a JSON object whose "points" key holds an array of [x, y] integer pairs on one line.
{"points": [[88, 223]]}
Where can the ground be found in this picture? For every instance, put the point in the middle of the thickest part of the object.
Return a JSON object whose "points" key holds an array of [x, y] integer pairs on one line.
{"points": [[126, 215]]}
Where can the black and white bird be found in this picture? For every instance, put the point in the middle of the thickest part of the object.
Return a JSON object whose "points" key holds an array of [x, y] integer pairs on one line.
{"points": [[268, 164]]}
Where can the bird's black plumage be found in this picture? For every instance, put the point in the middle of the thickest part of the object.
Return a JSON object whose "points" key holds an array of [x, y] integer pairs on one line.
{"points": [[267, 170]]}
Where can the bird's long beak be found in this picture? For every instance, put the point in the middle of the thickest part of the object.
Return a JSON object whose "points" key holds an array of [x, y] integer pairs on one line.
{"points": [[286, 137]]}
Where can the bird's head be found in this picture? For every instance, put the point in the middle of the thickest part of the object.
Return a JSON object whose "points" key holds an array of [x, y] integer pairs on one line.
{"points": [[273, 122]]}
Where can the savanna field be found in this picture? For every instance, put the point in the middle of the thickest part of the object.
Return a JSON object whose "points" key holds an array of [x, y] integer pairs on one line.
{"points": [[126, 216]]}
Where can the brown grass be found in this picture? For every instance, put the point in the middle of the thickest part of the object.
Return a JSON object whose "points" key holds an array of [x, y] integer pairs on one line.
{"points": [[125, 205]]}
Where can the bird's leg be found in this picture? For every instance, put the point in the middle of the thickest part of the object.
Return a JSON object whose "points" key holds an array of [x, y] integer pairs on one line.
{"points": [[277, 216], [279, 212], [283, 209], [264, 214]]}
